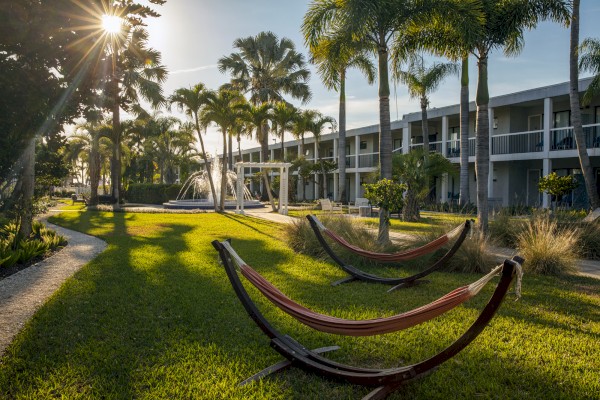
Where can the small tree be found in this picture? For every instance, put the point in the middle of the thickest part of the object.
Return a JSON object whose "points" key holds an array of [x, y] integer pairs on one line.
{"points": [[387, 195], [557, 186]]}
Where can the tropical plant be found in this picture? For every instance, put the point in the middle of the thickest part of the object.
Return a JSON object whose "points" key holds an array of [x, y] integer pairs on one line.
{"points": [[386, 194], [421, 82], [316, 126], [580, 139], [333, 56], [192, 101], [223, 107], [416, 171], [133, 72], [374, 24], [267, 68], [283, 117], [557, 186]]}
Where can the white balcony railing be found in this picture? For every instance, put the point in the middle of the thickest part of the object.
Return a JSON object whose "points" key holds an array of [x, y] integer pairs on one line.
{"points": [[453, 150], [368, 160], [519, 142], [562, 138]]}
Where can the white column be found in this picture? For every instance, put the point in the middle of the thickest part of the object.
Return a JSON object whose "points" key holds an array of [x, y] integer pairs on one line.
{"points": [[547, 168], [444, 196], [356, 185], [239, 207], [356, 150], [406, 139], [445, 138]]}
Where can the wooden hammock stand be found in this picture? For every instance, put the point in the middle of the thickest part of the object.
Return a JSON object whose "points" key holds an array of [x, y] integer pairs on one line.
{"points": [[357, 274], [384, 381]]}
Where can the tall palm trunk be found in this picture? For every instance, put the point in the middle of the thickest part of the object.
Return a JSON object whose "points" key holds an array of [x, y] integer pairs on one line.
{"points": [[300, 178], [385, 137], [239, 140], [223, 171], [482, 146], [206, 164], [464, 134], [264, 157], [425, 125], [584, 159], [342, 140], [230, 151], [115, 171], [94, 168], [27, 188]]}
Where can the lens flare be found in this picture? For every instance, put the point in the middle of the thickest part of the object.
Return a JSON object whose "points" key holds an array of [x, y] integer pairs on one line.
{"points": [[111, 23]]}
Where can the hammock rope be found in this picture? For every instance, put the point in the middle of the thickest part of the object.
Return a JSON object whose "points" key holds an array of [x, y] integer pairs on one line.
{"points": [[392, 257], [368, 327]]}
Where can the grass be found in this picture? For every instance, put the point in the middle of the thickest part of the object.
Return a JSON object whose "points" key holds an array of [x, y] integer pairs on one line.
{"points": [[154, 317]]}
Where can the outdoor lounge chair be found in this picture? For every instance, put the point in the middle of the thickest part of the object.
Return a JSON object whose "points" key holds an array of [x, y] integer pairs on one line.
{"points": [[460, 233], [329, 206], [385, 381]]}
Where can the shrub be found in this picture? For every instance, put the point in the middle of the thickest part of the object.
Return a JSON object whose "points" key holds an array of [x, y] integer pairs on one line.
{"points": [[15, 249], [150, 193], [505, 229], [548, 249], [589, 239]]}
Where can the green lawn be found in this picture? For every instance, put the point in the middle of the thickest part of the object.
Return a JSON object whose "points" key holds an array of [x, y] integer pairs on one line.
{"points": [[154, 317]]}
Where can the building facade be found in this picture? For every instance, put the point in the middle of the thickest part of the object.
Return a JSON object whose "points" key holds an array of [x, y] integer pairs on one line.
{"points": [[530, 136]]}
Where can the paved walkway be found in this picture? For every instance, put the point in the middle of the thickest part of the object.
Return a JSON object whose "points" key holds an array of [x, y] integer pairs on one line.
{"points": [[21, 294], [589, 268]]}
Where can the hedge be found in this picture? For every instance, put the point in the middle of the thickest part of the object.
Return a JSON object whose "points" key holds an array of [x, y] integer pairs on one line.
{"points": [[149, 193]]}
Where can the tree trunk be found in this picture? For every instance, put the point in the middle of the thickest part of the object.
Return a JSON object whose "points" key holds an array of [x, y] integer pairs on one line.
{"points": [[584, 159], [301, 179], [27, 189], [482, 145], [94, 169], [239, 140], [115, 171], [230, 152], [464, 134], [223, 172], [385, 137], [282, 145], [424, 126], [342, 140], [410, 211], [264, 155], [206, 164]]}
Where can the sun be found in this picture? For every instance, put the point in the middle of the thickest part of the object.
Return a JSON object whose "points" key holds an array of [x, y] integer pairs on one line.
{"points": [[112, 23]]}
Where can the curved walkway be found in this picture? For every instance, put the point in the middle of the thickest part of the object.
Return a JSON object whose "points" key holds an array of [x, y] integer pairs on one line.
{"points": [[23, 293]]}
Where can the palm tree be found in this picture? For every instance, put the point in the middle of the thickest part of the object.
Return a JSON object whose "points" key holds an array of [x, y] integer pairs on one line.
{"points": [[258, 116], [373, 24], [333, 57], [500, 25], [283, 117], [300, 126], [464, 196], [192, 101], [416, 169], [223, 107], [580, 140], [421, 82], [135, 74], [316, 126], [267, 68]]}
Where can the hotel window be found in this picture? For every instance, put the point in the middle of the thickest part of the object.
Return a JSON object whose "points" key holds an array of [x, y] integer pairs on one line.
{"points": [[535, 122], [562, 119], [397, 144], [454, 132], [363, 145]]}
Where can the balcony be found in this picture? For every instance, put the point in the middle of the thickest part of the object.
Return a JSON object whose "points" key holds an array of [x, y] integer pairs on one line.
{"points": [[562, 138], [453, 150], [520, 142], [351, 161], [435, 147], [368, 160]]}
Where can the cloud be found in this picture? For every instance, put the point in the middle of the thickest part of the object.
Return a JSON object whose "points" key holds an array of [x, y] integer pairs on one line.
{"points": [[185, 71]]}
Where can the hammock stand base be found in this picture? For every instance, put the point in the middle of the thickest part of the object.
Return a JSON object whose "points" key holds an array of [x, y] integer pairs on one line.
{"points": [[398, 283], [384, 381]]}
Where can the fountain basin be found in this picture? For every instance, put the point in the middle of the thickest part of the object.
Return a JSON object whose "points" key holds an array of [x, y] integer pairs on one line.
{"points": [[204, 204]]}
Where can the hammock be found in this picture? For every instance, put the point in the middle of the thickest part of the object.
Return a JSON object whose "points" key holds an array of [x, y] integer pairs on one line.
{"points": [[385, 380], [390, 257], [356, 274], [369, 327]]}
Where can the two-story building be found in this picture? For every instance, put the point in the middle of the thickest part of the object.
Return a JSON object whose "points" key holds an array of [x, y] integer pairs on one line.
{"points": [[530, 136]]}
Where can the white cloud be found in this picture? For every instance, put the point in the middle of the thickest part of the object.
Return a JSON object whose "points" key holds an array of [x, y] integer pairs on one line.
{"points": [[201, 68]]}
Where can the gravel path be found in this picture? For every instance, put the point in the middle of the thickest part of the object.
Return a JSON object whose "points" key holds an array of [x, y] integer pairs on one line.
{"points": [[23, 293]]}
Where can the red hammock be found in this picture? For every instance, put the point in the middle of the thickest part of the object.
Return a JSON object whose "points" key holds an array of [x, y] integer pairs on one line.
{"points": [[369, 327], [391, 257]]}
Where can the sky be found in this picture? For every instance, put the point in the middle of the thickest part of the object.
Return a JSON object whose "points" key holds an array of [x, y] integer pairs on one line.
{"points": [[193, 34]]}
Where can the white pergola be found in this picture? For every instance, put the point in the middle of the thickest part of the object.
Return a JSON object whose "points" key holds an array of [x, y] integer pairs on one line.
{"points": [[284, 169]]}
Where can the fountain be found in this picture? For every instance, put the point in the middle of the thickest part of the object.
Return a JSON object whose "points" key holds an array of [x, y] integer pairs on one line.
{"points": [[195, 192]]}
